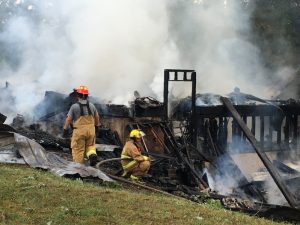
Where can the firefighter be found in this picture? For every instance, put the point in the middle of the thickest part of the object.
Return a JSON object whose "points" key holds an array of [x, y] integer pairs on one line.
{"points": [[134, 164], [85, 120]]}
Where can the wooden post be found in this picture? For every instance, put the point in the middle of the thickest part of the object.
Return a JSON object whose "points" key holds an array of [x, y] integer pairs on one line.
{"points": [[262, 131], [166, 93], [253, 125], [243, 136], [295, 132], [270, 133], [194, 116], [287, 130]]}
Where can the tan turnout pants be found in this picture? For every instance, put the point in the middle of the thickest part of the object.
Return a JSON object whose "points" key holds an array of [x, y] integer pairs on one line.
{"points": [[83, 138], [141, 169]]}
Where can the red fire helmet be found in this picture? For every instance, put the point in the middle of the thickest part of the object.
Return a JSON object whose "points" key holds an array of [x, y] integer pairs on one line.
{"points": [[82, 90]]}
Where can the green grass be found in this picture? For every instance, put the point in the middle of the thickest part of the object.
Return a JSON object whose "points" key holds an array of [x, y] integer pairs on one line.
{"points": [[29, 196]]}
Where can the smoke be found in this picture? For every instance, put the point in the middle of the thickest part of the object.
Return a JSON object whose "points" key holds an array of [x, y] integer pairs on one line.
{"points": [[243, 166], [7, 100], [220, 183], [118, 46], [114, 47], [214, 38], [273, 194]]}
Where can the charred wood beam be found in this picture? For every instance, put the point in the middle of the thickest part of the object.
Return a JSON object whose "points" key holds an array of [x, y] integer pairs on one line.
{"points": [[295, 133], [262, 155], [166, 94], [239, 134], [194, 127], [222, 134], [262, 131], [143, 141], [5, 127], [159, 139], [202, 155], [245, 121], [169, 136], [211, 143], [178, 151], [235, 139], [2, 118], [185, 78], [287, 129], [253, 125], [157, 162], [178, 70], [270, 141], [246, 110], [279, 137]]}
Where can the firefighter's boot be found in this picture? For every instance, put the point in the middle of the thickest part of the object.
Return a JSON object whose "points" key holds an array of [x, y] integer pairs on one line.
{"points": [[93, 159]]}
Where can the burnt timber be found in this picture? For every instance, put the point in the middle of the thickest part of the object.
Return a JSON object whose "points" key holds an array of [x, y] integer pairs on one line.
{"points": [[276, 124], [264, 158], [215, 131], [264, 114]]}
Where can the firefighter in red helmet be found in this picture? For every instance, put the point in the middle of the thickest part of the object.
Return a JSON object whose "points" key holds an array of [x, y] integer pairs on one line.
{"points": [[85, 120]]}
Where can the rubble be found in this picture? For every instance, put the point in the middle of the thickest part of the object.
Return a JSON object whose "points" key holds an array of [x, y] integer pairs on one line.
{"points": [[209, 146], [19, 149]]}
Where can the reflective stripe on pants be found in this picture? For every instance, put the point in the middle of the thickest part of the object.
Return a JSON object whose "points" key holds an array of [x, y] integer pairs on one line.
{"points": [[131, 163]]}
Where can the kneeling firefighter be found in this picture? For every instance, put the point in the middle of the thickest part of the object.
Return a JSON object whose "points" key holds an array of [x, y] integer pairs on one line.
{"points": [[134, 164], [85, 123]]}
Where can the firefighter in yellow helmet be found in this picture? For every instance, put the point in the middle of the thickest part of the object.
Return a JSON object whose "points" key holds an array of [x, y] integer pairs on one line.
{"points": [[134, 164], [85, 123]]}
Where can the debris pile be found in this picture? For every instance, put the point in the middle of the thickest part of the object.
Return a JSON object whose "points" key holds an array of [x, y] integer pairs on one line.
{"points": [[237, 149]]}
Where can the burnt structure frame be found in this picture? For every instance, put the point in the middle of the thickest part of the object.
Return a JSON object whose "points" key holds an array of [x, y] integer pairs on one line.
{"points": [[262, 155], [290, 130], [185, 78]]}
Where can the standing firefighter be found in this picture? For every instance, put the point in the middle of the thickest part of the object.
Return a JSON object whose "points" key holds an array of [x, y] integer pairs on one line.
{"points": [[86, 121], [134, 164]]}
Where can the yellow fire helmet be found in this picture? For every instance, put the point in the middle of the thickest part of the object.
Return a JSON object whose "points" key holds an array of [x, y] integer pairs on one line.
{"points": [[136, 133]]}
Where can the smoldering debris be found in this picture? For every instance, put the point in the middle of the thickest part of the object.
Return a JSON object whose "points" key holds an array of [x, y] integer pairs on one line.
{"points": [[180, 168], [274, 124]]}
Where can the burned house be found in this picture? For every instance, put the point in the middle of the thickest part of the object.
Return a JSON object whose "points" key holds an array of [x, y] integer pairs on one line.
{"points": [[251, 144], [238, 148]]}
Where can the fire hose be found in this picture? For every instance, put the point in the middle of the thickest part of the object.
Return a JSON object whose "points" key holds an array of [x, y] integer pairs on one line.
{"points": [[115, 159], [131, 182]]}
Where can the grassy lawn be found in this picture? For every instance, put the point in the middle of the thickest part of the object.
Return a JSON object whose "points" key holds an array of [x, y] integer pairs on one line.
{"points": [[29, 196]]}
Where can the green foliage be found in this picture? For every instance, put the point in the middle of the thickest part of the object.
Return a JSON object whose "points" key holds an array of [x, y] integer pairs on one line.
{"points": [[276, 27]]}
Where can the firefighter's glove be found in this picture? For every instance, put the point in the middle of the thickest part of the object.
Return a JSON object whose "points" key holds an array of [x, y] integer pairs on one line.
{"points": [[146, 158], [65, 133]]}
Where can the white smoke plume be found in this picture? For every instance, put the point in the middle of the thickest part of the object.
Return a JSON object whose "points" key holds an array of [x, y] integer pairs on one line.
{"points": [[118, 46], [111, 46]]}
